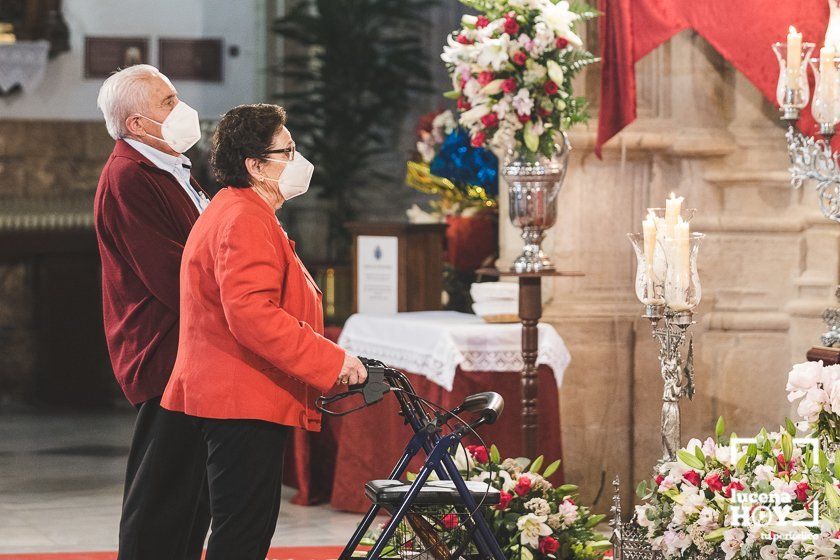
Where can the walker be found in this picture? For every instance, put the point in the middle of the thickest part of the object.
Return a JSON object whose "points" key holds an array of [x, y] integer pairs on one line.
{"points": [[444, 519]]}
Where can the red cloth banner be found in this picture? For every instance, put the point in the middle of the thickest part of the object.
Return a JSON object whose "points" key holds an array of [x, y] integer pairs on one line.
{"points": [[740, 30]]}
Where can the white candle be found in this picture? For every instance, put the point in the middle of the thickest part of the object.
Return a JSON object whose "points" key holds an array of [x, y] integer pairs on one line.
{"points": [[649, 230], [673, 207], [794, 56], [828, 75], [683, 251]]}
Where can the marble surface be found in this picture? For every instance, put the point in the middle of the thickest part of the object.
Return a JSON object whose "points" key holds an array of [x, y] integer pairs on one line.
{"points": [[61, 479]]}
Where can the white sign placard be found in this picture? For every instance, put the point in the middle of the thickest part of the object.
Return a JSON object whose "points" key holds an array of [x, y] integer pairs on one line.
{"points": [[376, 274]]}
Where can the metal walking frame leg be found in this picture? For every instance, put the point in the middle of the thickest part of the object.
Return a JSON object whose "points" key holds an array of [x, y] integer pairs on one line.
{"points": [[421, 440]]}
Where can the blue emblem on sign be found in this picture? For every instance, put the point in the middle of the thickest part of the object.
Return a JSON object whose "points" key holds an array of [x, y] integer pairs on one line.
{"points": [[377, 252]]}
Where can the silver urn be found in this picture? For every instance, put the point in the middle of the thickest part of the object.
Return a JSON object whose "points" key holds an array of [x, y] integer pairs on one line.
{"points": [[534, 183]]}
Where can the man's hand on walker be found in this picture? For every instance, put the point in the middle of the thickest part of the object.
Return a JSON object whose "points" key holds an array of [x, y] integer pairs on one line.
{"points": [[352, 371]]}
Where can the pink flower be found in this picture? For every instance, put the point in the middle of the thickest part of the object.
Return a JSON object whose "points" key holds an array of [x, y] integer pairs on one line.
{"points": [[463, 104], [485, 78], [509, 85], [550, 87], [523, 486], [464, 40], [520, 58], [482, 22], [478, 139], [489, 120]]}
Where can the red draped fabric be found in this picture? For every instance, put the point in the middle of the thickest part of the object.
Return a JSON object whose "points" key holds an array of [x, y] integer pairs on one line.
{"points": [[740, 30]]}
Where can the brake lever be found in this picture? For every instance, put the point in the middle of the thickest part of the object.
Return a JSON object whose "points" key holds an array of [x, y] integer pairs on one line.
{"points": [[373, 389]]}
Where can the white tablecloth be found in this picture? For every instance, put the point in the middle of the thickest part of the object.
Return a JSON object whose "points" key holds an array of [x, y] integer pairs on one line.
{"points": [[435, 343]]}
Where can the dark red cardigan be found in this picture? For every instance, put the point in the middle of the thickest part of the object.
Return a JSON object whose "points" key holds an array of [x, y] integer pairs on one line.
{"points": [[142, 217]]}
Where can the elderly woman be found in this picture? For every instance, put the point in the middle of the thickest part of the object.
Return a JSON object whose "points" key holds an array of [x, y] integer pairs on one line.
{"points": [[251, 357]]}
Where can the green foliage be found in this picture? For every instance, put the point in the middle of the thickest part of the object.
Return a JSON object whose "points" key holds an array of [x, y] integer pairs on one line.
{"points": [[351, 70]]}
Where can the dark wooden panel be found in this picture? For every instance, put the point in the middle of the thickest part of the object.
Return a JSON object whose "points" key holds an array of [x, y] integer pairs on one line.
{"points": [[104, 55], [191, 59]]}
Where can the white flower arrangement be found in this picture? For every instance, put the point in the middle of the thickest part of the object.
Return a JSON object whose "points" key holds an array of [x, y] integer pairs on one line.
{"points": [[511, 70]]}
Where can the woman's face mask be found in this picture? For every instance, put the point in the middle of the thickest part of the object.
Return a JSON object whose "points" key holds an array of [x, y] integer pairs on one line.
{"points": [[180, 128], [295, 178]]}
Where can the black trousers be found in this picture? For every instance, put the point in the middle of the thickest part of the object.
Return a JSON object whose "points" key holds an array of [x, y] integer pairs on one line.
{"points": [[244, 473], [166, 508]]}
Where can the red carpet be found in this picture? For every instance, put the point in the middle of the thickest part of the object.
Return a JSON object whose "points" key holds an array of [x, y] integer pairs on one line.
{"points": [[282, 553]]}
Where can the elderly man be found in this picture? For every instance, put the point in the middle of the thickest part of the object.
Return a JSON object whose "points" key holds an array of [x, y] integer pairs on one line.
{"points": [[145, 205]]}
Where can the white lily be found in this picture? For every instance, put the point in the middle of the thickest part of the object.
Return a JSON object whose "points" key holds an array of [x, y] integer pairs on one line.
{"points": [[555, 72]]}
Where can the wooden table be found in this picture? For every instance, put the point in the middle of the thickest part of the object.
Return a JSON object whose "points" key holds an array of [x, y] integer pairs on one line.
{"points": [[530, 312]]}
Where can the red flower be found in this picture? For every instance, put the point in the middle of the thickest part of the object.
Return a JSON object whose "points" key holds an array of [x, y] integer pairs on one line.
{"points": [[523, 485], [734, 485], [802, 491], [511, 27], [479, 452], [463, 104], [659, 478], [450, 520], [478, 139], [561, 43], [509, 85], [550, 87], [714, 483], [693, 477], [482, 21], [784, 466], [485, 78], [464, 40], [569, 500], [543, 112], [524, 118], [520, 58], [549, 545], [504, 500], [489, 120], [424, 124]]}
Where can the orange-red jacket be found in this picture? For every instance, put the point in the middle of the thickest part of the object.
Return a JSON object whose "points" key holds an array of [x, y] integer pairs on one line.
{"points": [[250, 343]]}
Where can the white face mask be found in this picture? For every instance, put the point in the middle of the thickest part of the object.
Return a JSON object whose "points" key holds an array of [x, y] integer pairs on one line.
{"points": [[180, 128], [295, 178]]}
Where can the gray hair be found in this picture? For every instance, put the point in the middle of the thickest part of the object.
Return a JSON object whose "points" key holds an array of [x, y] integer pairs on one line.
{"points": [[124, 94]]}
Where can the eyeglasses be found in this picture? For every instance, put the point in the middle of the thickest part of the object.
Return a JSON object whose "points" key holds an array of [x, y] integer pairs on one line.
{"points": [[290, 151]]}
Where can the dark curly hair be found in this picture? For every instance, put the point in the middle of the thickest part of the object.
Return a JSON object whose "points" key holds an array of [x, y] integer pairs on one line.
{"points": [[245, 131]]}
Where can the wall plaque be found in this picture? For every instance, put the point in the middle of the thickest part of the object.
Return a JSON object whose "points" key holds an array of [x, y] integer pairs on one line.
{"points": [[191, 59], [104, 55]]}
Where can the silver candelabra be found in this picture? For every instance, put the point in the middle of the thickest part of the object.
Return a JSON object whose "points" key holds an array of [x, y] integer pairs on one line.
{"points": [[668, 286], [670, 330], [813, 159]]}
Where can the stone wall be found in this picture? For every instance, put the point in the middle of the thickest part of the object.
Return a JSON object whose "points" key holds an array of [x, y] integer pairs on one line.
{"points": [[768, 266], [40, 162]]}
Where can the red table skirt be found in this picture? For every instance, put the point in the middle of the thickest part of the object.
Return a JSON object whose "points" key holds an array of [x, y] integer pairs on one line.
{"points": [[334, 464]]}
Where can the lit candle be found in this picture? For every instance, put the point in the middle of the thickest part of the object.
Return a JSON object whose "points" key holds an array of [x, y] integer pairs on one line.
{"points": [[673, 206], [794, 56]]}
